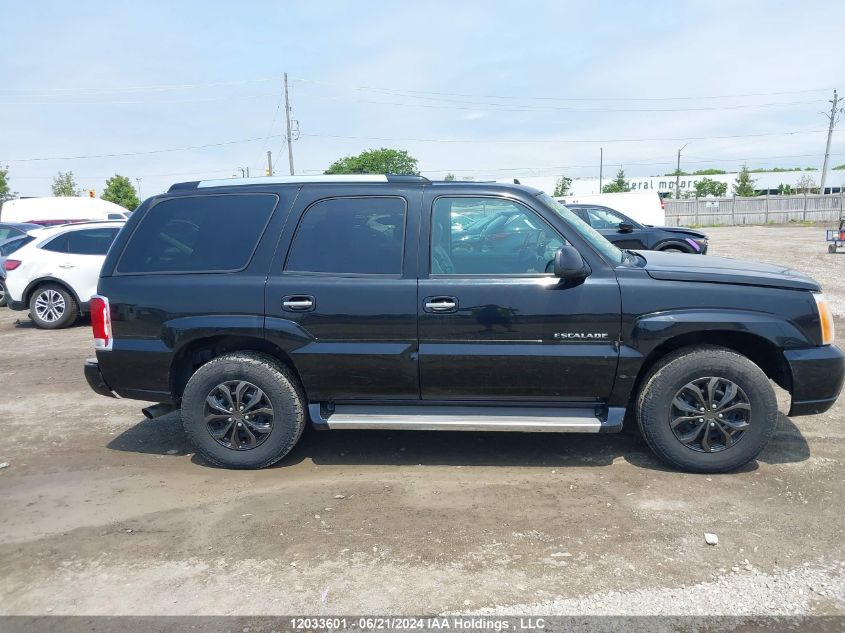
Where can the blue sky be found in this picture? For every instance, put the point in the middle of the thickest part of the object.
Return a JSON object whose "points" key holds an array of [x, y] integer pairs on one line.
{"points": [[481, 89]]}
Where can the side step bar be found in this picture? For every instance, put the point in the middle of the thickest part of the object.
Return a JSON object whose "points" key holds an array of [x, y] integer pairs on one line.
{"points": [[469, 418]]}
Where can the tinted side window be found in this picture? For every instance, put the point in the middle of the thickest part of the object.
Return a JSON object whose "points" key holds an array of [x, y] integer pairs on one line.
{"points": [[58, 244], [198, 233], [603, 218], [12, 245], [350, 235], [6, 232], [91, 242], [506, 239]]}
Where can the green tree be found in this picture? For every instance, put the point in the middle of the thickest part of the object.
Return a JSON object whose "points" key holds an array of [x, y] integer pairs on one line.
{"points": [[708, 172], [785, 190], [709, 187], [120, 191], [449, 177], [5, 190], [744, 183], [376, 161], [618, 184], [65, 185], [677, 172], [562, 186], [842, 166]]}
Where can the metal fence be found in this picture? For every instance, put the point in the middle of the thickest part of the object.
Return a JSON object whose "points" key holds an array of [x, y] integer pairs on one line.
{"points": [[759, 210]]}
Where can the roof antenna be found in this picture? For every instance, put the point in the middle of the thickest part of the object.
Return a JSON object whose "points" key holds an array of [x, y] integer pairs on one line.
{"points": [[516, 181]]}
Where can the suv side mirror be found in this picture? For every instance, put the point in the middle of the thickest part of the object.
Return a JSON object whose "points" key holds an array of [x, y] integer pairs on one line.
{"points": [[625, 227], [569, 264]]}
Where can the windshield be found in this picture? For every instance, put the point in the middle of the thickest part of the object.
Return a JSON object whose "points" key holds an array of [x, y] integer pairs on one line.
{"points": [[605, 248]]}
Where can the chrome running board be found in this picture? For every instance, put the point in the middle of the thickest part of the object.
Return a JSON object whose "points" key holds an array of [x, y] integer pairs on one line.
{"points": [[468, 418]]}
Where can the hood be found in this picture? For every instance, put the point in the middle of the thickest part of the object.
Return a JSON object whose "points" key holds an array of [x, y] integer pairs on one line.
{"points": [[683, 267], [681, 230]]}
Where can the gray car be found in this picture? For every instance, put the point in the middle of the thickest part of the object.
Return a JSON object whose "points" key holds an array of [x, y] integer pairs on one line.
{"points": [[7, 247]]}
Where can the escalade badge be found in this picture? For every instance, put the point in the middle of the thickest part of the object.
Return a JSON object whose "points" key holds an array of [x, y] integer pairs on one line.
{"points": [[580, 335]]}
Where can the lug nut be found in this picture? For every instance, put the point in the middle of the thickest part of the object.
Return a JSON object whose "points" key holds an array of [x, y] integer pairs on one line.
{"points": [[712, 424], [701, 409], [713, 405], [701, 419]]}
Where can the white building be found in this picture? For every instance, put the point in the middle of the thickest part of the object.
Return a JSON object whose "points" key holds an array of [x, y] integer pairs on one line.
{"points": [[764, 182]]}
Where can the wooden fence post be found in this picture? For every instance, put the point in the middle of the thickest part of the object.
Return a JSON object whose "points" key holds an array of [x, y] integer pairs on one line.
{"points": [[804, 215], [733, 211], [766, 221]]}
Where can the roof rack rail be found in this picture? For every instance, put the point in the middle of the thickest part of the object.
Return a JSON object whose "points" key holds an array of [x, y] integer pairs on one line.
{"points": [[301, 180]]}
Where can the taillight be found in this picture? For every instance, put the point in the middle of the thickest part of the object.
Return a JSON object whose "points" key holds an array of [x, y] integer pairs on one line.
{"points": [[11, 264], [101, 322]]}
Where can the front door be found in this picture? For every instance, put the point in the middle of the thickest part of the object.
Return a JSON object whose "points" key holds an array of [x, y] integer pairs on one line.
{"points": [[606, 221], [342, 301], [494, 325]]}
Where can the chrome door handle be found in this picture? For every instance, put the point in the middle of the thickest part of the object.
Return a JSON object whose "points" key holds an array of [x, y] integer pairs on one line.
{"points": [[66, 266], [440, 306], [298, 305]]}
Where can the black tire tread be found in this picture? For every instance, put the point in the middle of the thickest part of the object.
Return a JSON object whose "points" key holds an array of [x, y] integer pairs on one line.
{"points": [[688, 357], [279, 372]]}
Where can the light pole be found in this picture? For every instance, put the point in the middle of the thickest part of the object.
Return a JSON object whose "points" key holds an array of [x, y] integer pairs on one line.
{"points": [[138, 182], [678, 174]]}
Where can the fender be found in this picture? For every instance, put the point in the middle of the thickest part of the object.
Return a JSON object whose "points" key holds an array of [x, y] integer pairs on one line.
{"points": [[642, 337]]}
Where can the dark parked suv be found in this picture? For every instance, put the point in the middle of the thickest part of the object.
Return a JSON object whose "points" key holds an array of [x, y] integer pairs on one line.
{"points": [[627, 233], [258, 306]]}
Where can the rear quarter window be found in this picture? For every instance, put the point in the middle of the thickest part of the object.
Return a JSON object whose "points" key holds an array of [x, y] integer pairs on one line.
{"points": [[211, 233]]}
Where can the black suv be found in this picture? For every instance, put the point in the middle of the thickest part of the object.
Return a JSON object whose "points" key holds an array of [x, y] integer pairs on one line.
{"points": [[627, 233], [354, 303]]}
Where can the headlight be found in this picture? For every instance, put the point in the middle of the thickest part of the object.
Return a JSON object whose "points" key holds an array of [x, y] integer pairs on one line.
{"points": [[825, 318]]}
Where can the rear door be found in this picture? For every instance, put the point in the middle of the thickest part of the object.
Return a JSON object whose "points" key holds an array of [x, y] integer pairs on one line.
{"points": [[77, 257], [341, 295]]}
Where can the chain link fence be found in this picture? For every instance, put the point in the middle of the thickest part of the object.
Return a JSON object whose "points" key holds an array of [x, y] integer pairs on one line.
{"points": [[759, 210]]}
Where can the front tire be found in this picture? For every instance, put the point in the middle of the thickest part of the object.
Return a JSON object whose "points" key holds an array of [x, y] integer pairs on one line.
{"points": [[52, 307], [2, 294], [243, 410], [707, 410]]}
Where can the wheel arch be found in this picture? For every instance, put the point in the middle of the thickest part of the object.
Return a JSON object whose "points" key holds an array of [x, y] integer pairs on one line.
{"points": [[191, 356], [760, 350], [673, 243], [41, 281]]}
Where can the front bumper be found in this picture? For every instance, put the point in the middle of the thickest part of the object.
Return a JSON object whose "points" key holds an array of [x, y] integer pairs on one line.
{"points": [[95, 379], [817, 377]]}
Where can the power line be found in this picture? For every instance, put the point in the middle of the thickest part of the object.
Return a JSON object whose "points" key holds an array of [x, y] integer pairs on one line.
{"points": [[560, 140], [546, 98], [419, 140], [494, 107], [139, 153]]}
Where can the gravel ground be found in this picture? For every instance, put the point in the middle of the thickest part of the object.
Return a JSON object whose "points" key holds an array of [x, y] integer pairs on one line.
{"points": [[107, 513]]}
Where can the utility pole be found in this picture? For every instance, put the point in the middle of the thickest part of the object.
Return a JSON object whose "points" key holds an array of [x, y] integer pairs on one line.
{"points": [[287, 118], [601, 165], [138, 181], [269, 163], [833, 117], [678, 175]]}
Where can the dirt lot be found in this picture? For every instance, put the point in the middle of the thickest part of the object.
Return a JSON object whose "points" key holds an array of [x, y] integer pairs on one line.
{"points": [[106, 513]]}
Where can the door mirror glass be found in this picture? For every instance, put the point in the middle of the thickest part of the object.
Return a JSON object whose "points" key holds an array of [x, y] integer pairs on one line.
{"points": [[625, 227], [569, 264]]}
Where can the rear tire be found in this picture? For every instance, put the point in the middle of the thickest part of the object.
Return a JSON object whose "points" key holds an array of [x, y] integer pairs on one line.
{"points": [[2, 294], [669, 410], [52, 307], [267, 427]]}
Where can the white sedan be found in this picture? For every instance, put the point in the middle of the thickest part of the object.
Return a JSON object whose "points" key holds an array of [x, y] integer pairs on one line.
{"points": [[55, 275]]}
